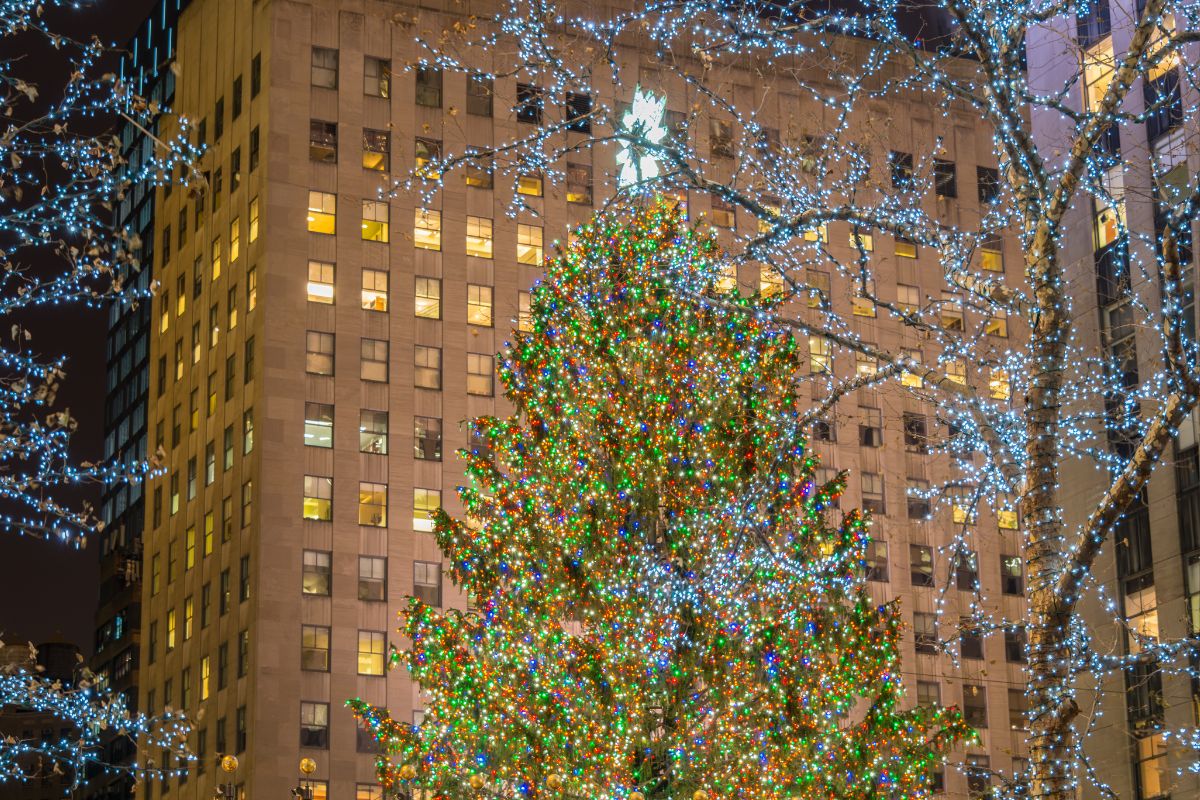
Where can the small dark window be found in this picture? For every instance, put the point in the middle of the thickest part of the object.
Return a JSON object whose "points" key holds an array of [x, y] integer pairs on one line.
{"points": [[480, 89], [322, 141], [256, 75], [945, 178], [966, 571], [916, 436], [902, 169], [529, 104], [579, 110], [989, 184], [870, 430], [236, 110], [429, 87], [920, 559], [975, 705], [254, 148], [1014, 645], [1012, 576], [970, 639], [219, 120]]}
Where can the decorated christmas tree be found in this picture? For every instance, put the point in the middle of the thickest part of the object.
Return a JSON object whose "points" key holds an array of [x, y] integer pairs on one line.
{"points": [[662, 602]]}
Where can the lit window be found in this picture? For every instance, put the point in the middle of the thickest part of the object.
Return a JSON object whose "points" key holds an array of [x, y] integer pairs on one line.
{"points": [[372, 504], [905, 248], [1007, 520], [956, 370], [529, 185], [529, 245], [314, 726], [374, 290], [861, 303], [865, 365], [1110, 208], [479, 305], [216, 259], [372, 646], [427, 367], [254, 218], [318, 425], [373, 432], [817, 234], [377, 77], [991, 255], [427, 229], [317, 576], [951, 312], [912, 379], [479, 237], [820, 355], [318, 356], [428, 154], [770, 281], [374, 364], [425, 503], [1098, 67], [999, 386], [320, 282], [728, 280], [376, 150], [322, 212], [205, 676], [819, 288], [429, 298], [235, 239], [863, 241], [318, 498], [164, 312], [997, 324], [375, 220], [479, 172], [480, 374], [579, 184], [524, 311], [171, 629], [251, 289], [1154, 773], [908, 298]]}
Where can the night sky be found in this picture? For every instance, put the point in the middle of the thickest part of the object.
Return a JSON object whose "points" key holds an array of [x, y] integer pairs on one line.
{"points": [[48, 591]]}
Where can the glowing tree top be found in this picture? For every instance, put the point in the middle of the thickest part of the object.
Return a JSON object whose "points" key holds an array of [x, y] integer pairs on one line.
{"points": [[662, 607]]}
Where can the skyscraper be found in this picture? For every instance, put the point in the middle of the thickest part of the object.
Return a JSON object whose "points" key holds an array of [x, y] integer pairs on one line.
{"points": [[1150, 574], [314, 347]]}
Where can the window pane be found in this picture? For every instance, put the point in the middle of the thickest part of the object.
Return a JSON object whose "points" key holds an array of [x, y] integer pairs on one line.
{"points": [[372, 504], [373, 432], [374, 290], [429, 298], [322, 213], [318, 425]]}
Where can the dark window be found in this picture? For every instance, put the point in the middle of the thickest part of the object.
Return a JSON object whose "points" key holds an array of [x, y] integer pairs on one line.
{"points": [[372, 578], [427, 438], [236, 110], [1092, 22], [1014, 645], [235, 169], [256, 75], [427, 582], [429, 87], [240, 729], [254, 147], [975, 705], [989, 184], [314, 725], [870, 430], [244, 579], [1164, 105], [529, 104], [219, 120], [243, 657], [579, 110], [916, 433], [925, 633], [1132, 537], [824, 431], [945, 178], [970, 640], [317, 575], [966, 571], [877, 561], [479, 95], [901, 165], [322, 141], [920, 558], [979, 775], [1017, 719], [324, 67], [1012, 575]]}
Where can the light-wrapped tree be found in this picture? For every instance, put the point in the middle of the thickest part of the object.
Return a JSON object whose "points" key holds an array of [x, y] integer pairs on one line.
{"points": [[661, 606]]}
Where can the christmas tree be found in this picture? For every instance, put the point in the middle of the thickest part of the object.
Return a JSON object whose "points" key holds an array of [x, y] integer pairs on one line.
{"points": [[661, 605]]}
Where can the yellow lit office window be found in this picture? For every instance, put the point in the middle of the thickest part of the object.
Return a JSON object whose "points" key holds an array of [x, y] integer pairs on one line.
{"points": [[429, 298], [991, 256], [770, 281], [479, 237], [205, 675], [1007, 519], [189, 549], [427, 229], [372, 504], [524, 311], [865, 365], [529, 245], [818, 234], [181, 303], [372, 648], [820, 355], [375, 220], [209, 528], [216, 259], [862, 241], [254, 218], [171, 629], [320, 282], [956, 370], [479, 305], [529, 185], [235, 239], [861, 305], [164, 311], [997, 324], [322, 212], [911, 379], [374, 290], [189, 614], [999, 386], [905, 248], [962, 513], [318, 498], [426, 502], [728, 280]]}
